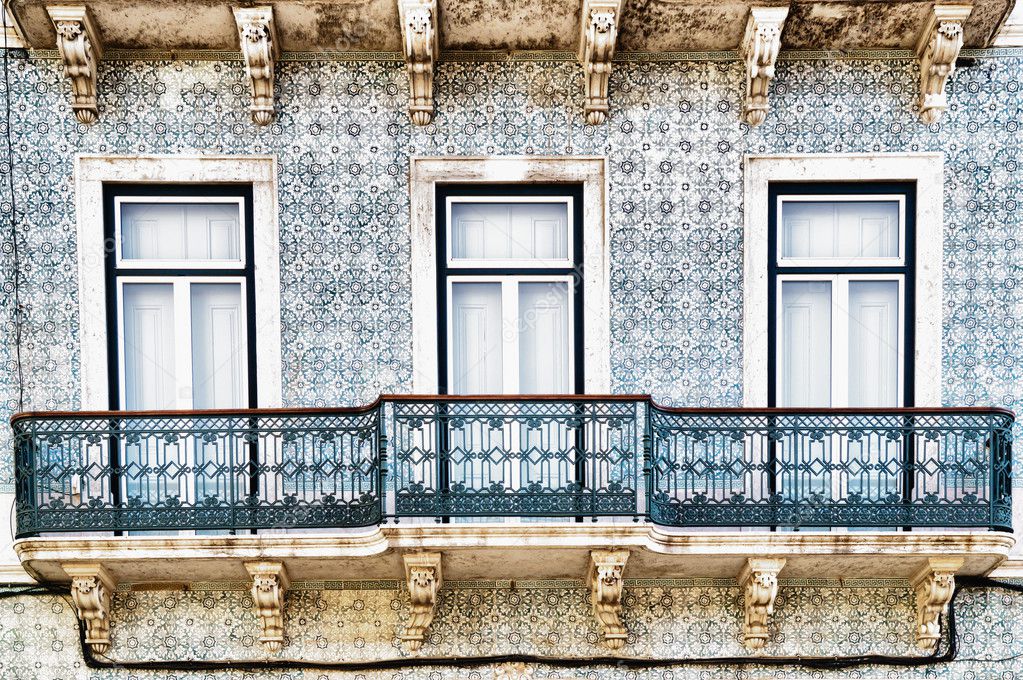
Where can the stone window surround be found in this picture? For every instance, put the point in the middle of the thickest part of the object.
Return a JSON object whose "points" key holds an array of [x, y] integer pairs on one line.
{"points": [[591, 171], [92, 171], [926, 169]]}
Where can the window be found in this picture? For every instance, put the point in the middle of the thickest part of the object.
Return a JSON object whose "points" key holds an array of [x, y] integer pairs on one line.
{"points": [[179, 286], [510, 289], [181, 329], [841, 294]]}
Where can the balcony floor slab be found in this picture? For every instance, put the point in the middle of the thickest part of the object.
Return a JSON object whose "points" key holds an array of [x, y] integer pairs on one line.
{"points": [[510, 552]]}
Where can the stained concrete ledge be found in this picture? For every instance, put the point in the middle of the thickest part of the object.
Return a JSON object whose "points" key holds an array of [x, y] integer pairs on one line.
{"points": [[512, 551]]}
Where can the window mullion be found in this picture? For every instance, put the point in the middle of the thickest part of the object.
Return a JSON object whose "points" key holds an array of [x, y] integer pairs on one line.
{"points": [[510, 334], [183, 343], [122, 359], [840, 341], [901, 329]]}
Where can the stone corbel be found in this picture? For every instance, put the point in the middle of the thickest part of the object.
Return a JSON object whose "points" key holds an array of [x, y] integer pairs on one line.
{"points": [[759, 581], [605, 581], [421, 46], [934, 585], [80, 50], [596, 49], [423, 574], [269, 584], [91, 589], [257, 37], [760, 52], [937, 50]]}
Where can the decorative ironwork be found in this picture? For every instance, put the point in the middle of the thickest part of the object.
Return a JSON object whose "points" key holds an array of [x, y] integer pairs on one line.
{"points": [[569, 457], [202, 470], [867, 468], [493, 457]]}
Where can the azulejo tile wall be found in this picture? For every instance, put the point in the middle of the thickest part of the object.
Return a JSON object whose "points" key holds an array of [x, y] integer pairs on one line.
{"points": [[675, 149], [675, 156], [665, 619], [358, 623]]}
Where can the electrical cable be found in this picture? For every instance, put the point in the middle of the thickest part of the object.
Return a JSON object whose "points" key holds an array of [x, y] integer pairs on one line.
{"points": [[15, 253], [98, 661]]}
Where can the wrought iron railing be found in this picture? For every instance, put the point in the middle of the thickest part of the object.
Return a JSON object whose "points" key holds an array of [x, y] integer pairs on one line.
{"points": [[211, 470], [831, 468], [457, 458], [499, 457]]}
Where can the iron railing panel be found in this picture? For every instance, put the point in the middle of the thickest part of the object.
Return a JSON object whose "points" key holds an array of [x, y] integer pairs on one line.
{"points": [[209, 471], [566, 457], [864, 468], [532, 457]]}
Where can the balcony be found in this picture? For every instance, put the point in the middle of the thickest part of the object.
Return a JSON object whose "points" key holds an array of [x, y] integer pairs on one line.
{"points": [[493, 476]]}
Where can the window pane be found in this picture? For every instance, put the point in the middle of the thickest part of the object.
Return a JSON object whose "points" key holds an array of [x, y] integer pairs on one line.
{"points": [[150, 378], [845, 229], [544, 338], [219, 355], [477, 352], [509, 231], [805, 351], [873, 343], [180, 231]]}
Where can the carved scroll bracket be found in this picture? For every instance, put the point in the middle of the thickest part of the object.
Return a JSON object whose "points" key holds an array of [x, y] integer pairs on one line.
{"points": [[596, 49], [423, 574], [759, 580], [257, 37], [605, 581], [937, 50], [421, 46], [934, 585], [269, 584], [80, 50], [91, 588], [760, 52]]}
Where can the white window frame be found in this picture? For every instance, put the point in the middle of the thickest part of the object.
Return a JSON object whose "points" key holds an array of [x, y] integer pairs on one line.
{"points": [[92, 171], [510, 319], [138, 263], [926, 170], [898, 261], [510, 263], [590, 171], [840, 331], [183, 354]]}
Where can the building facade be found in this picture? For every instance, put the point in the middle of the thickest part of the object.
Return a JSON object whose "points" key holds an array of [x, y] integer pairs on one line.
{"points": [[747, 320]]}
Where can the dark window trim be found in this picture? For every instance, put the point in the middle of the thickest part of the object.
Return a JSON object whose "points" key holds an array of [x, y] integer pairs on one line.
{"points": [[112, 272], [575, 191], [908, 270]]}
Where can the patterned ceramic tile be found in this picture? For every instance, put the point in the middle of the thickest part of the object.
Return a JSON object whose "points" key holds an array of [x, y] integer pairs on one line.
{"points": [[38, 635], [675, 150]]}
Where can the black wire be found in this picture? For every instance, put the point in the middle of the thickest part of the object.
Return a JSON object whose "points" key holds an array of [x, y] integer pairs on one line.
{"points": [[15, 254], [99, 661]]}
